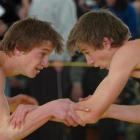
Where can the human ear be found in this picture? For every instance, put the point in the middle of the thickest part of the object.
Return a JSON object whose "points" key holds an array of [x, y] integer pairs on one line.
{"points": [[107, 43], [17, 51]]}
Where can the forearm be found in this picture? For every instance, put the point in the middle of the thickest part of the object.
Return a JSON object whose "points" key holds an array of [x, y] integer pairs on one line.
{"points": [[55, 110], [124, 113], [105, 94], [15, 101], [33, 120]]}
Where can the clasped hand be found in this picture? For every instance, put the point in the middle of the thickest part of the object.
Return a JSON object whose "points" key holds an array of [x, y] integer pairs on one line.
{"points": [[60, 110]]}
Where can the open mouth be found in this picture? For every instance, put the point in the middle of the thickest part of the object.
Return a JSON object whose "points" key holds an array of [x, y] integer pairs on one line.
{"points": [[38, 70], [96, 66]]}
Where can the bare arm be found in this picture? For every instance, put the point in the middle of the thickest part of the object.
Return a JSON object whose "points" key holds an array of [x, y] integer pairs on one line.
{"points": [[20, 99], [109, 89], [33, 120], [103, 97], [56, 110], [129, 113]]}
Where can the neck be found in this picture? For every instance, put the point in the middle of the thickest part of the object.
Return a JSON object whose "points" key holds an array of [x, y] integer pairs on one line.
{"points": [[110, 56]]}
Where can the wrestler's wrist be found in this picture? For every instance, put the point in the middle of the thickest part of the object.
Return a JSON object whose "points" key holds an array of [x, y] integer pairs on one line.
{"points": [[110, 112], [46, 111], [51, 106]]}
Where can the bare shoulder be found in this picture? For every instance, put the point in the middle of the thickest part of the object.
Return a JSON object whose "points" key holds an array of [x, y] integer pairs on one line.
{"points": [[130, 52], [126, 58], [131, 48]]}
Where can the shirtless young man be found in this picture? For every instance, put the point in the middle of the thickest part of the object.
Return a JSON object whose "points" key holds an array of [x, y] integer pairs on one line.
{"points": [[24, 50], [103, 39]]}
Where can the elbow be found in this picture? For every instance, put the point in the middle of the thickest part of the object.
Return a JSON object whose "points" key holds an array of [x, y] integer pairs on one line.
{"points": [[96, 116], [95, 120]]}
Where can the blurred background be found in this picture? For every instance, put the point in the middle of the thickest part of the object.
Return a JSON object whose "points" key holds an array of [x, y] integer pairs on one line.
{"points": [[69, 76]]}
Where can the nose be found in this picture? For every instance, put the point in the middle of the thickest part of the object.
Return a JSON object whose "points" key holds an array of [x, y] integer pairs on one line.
{"points": [[45, 62], [89, 60]]}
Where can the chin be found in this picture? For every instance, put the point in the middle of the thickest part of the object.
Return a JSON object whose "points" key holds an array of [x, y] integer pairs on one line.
{"points": [[31, 75]]}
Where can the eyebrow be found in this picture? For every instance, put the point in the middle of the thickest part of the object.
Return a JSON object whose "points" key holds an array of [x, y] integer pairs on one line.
{"points": [[82, 50], [47, 50]]}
